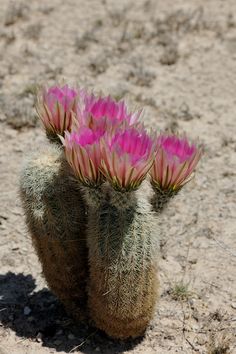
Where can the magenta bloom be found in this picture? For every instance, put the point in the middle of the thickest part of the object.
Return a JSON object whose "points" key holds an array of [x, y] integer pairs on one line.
{"points": [[55, 107], [82, 150], [105, 111], [175, 162], [127, 156]]}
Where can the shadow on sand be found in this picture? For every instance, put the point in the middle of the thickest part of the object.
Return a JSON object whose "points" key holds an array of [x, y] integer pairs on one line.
{"points": [[38, 315]]}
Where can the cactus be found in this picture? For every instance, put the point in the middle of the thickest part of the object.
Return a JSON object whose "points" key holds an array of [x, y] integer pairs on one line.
{"points": [[55, 216], [108, 154], [122, 242]]}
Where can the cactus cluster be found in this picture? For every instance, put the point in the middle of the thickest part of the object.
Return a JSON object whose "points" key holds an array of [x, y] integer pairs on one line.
{"points": [[96, 236]]}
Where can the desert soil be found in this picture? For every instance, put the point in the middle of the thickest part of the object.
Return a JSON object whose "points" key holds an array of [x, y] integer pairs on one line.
{"points": [[178, 60]]}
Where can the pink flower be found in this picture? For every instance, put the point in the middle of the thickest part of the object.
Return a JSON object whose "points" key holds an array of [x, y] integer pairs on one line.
{"points": [[127, 156], [105, 111], [82, 150], [175, 162], [55, 107]]}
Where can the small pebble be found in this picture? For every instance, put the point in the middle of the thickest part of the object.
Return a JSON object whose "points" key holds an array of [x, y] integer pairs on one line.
{"points": [[233, 305], [58, 342], [193, 261], [27, 310], [71, 336], [192, 302], [39, 337], [97, 349]]}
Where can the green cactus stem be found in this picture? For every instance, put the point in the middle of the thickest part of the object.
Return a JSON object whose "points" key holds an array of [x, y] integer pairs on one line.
{"points": [[161, 198], [123, 284], [55, 216]]}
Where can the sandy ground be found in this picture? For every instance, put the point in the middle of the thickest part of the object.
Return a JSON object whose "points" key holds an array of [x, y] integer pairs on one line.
{"points": [[178, 59]]}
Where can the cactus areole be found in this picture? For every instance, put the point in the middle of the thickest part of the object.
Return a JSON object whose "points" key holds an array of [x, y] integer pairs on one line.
{"points": [[95, 232]]}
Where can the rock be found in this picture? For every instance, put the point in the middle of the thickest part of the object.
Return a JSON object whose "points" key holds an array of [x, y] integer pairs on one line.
{"points": [[58, 342], [39, 337], [71, 336], [27, 310]]}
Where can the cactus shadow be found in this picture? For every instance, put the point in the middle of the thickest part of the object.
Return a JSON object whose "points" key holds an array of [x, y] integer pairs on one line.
{"points": [[39, 316]]}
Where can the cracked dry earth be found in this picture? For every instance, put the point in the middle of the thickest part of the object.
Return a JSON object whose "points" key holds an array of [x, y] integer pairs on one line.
{"points": [[178, 59]]}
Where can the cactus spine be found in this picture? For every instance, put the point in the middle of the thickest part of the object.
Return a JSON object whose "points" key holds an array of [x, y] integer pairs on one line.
{"points": [[123, 285], [55, 217]]}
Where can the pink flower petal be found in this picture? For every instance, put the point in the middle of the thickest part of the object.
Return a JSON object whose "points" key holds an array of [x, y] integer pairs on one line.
{"points": [[94, 108], [83, 152], [55, 108], [127, 155], [175, 162]]}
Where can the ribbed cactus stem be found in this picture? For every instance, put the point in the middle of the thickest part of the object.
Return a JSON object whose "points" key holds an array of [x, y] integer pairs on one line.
{"points": [[123, 281], [55, 216], [93, 196], [122, 200], [161, 198]]}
